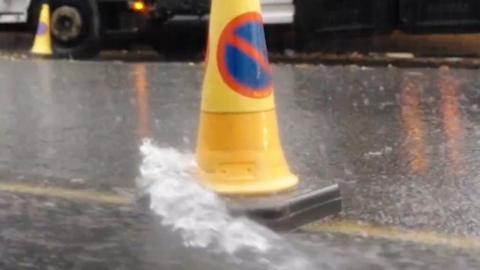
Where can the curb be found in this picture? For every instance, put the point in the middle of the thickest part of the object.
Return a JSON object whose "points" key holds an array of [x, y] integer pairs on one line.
{"points": [[15, 41]]}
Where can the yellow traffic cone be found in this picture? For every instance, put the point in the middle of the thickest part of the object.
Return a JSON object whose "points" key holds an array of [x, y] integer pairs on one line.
{"points": [[239, 151], [43, 41]]}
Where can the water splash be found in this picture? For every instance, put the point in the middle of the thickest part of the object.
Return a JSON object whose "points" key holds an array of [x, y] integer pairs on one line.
{"points": [[202, 218]]}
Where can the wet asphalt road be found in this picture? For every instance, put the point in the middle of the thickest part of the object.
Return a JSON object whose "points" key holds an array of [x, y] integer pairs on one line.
{"points": [[402, 143]]}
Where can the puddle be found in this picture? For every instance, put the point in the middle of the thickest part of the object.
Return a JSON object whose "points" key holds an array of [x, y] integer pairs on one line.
{"points": [[201, 222], [202, 219]]}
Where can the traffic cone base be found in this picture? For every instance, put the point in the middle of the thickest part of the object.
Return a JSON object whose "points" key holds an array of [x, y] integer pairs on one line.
{"points": [[241, 154], [42, 45], [248, 187]]}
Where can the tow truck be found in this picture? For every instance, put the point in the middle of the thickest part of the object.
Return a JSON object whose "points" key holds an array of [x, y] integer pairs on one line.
{"points": [[80, 26]]}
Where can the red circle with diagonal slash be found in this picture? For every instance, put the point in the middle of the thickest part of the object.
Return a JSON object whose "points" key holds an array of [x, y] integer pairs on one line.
{"points": [[250, 50]]}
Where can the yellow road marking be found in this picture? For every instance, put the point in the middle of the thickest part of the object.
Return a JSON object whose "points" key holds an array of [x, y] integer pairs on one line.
{"points": [[355, 228], [69, 194], [346, 227]]}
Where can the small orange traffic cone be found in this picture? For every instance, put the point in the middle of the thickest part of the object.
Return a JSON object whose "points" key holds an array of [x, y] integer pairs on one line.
{"points": [[239, 150], [42, 45]]}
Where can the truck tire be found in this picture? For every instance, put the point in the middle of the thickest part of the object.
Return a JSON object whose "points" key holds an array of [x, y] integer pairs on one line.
{"points": [[75, 28]]}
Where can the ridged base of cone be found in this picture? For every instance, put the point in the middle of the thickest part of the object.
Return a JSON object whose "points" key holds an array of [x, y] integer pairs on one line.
{"points": [[241, 154], [42, 47], [247, 186], [42, 54]]}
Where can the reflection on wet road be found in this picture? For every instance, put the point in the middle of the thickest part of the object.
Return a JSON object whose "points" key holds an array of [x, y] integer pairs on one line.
{"points": [[403, 144], [142, 102], [452, 120], [413, 123]]}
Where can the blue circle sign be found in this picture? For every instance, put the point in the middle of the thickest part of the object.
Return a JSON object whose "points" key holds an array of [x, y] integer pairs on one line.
{"points": [[242, 56]]}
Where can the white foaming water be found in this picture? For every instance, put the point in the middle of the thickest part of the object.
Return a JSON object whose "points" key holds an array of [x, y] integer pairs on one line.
{"points": [[202, 218]]}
